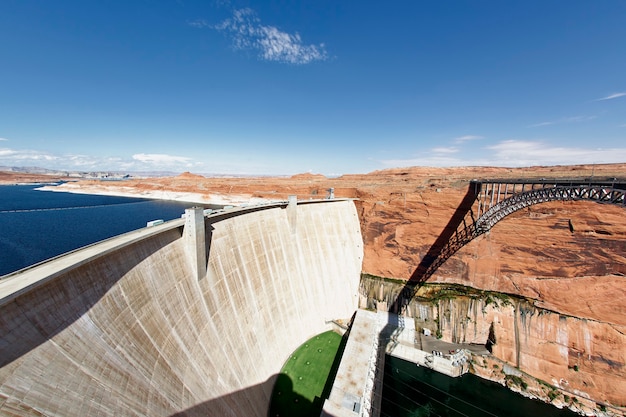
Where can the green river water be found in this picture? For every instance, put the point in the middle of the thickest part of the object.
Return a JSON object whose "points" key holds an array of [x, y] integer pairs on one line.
{"points": [[415, 391]]}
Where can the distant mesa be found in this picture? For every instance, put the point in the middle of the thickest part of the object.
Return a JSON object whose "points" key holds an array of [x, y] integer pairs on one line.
{"points": [[189, 176], [308, 176]]}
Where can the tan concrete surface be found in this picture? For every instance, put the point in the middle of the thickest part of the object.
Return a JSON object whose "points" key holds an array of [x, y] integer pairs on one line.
{"points": [[358, 383], [135, 333]]}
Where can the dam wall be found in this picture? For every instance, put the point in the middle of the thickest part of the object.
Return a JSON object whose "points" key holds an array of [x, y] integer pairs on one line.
{"points": [[128, 328]]}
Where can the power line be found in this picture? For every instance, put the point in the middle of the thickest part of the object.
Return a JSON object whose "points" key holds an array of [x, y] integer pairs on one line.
{"points": [[438, 389], [408, 410], [72, 208], [386, 399], [447, 406]]}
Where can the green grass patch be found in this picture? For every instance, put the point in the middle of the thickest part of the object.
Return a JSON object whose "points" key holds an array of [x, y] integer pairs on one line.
{"points": [[306, 378]]}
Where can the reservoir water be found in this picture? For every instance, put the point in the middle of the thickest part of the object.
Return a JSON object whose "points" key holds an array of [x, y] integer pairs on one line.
{"points": [[38, 225], [411, 390]]}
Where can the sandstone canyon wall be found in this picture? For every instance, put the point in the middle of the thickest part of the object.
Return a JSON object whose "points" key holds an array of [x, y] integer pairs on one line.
{"points": [[568, 259]]}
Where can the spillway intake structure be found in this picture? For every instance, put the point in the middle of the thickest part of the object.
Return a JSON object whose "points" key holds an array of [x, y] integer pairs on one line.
{"points": [[194, 317]]}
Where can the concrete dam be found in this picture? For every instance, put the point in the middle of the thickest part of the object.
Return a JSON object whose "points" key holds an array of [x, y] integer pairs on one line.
{"points": [[193, 317]]}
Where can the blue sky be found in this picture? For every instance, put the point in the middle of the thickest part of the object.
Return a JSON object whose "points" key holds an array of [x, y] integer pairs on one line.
{"points": [[323, 86]]}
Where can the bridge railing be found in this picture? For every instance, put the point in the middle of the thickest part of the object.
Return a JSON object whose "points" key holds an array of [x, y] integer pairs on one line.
{"points": [[571, 193], [491, 192]]}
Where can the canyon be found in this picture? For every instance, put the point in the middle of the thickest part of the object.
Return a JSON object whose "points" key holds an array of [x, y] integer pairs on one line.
{"points": [[560, 265]]}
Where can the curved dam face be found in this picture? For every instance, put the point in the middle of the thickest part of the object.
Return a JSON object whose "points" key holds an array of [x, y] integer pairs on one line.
{"points": [[129, 327]]}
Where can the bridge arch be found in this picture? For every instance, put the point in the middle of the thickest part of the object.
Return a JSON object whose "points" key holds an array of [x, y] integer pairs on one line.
{"points": [[489, 201], [519, 201]]}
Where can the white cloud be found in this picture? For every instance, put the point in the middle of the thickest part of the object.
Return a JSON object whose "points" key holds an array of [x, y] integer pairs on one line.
{"points": [[80, 162], [611, 96], [442, 149], [163, 159], [1, 139], [24, 156], [247, 32], [526, 153], [542, 124], [198, 23], [573, 119], [466, 138], [518, 153]]}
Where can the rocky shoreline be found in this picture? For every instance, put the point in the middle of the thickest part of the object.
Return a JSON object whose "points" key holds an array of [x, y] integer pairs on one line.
{"points": [[514, 330], [493, 369], [172, 195]]}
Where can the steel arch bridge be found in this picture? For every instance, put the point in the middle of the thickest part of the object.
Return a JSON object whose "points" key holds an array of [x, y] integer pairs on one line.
{"points": [[489, 201]]}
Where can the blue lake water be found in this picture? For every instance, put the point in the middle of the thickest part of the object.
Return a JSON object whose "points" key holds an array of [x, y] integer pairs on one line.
{"points": [[38, 225]]}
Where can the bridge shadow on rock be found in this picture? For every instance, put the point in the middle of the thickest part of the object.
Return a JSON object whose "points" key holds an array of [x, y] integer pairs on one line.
{"points": [[441, 249]]}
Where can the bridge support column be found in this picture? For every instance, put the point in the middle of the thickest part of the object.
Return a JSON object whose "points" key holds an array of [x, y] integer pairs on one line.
{"points": [[195, 240]]}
